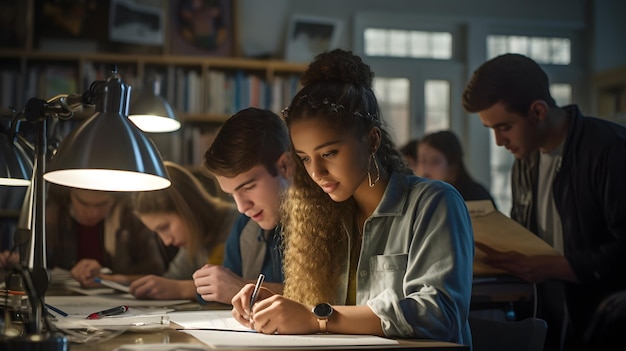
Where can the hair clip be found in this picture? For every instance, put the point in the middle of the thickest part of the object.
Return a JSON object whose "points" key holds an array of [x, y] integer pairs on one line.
{"points": [[369, 116]]}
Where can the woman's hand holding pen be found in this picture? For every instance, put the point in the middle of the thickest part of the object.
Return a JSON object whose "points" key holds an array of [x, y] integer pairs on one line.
{"points": [[273, 313], [216, 283], [85, 270]]}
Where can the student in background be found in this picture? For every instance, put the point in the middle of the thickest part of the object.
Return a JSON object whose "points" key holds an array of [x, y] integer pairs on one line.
{"points": [[186, 216], [440, 156], [568, 188], [250, 160], [390, 253], [409, 151], [88, 231]]}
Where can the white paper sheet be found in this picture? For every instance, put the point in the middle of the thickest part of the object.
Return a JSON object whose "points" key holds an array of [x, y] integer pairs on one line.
{"points": [[162, 347], [221, 339], [219, 319]]}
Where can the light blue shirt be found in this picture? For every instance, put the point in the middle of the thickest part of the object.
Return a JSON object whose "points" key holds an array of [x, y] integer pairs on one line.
{"points": [[415, 268]]}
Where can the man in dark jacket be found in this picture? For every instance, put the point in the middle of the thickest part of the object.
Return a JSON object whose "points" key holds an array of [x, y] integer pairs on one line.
{"points": [[568, 186]]}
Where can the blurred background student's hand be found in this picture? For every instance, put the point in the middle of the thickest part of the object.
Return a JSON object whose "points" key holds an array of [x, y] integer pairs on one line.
{"points": [[217, 283], [85, 270], [8, 259]]}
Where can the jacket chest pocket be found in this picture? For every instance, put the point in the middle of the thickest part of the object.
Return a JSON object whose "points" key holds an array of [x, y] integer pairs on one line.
{"points": [[387, 272]]}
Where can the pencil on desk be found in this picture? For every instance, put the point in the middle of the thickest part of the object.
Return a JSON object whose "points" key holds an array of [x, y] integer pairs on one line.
{"points": [[62, 313]]}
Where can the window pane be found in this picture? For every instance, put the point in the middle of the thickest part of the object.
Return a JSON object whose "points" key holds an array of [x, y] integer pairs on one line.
{"points": [[419, 44], [399, 43], [441, 45], [562, 93], [496, 45], [561, 51], [405, 43], [519, 45], [437, 109], [375, 40], [556, 51], [501, 162], [393, 98], [540, 50]]}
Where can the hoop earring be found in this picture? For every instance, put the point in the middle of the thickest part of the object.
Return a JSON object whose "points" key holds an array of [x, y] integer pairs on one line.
{"points": [[369, 174]]}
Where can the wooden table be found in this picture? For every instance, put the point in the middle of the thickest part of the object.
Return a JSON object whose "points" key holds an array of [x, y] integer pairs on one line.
{"points": [[173, 335]]}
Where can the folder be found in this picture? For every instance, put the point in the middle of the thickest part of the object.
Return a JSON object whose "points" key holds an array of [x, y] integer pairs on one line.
{"points": [[494, 229]]}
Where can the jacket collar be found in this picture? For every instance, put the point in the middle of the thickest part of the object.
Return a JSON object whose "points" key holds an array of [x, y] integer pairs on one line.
{"points": [[394, 198]]}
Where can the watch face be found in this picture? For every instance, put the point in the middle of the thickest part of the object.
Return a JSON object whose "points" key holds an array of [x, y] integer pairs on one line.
{"points": [[323, 310]]}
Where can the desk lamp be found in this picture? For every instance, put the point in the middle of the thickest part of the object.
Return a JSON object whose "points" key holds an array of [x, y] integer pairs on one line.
{"points": [[105, 152], [16, 165], [152, 113]]}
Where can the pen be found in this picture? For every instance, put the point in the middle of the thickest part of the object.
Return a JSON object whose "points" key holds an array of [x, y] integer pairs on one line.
{"points": [[12, 292], [112, 284], [255, 292], [64, 314], [110, 312]]}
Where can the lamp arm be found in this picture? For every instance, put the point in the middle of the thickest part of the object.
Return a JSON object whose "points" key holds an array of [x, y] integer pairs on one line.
{"points": [[25, 142]]}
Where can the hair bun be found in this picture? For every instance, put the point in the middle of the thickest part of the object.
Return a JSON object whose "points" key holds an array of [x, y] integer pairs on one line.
{"points": [[338, 66]]}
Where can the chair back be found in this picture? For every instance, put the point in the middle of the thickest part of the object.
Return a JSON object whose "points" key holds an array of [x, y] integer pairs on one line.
{"points": [[608, 324], [494, 335]]}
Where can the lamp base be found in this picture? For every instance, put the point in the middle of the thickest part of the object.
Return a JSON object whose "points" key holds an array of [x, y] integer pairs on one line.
{"points": [[35, 342]]}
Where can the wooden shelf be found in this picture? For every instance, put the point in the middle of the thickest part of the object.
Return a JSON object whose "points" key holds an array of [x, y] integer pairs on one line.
{"points": [[144, 59]]}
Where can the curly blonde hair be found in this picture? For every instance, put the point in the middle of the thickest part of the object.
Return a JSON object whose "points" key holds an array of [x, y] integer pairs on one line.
{"points": [[337, 91]]}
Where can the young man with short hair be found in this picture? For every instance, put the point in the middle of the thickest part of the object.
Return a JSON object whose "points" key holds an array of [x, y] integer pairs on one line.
{"points": [[568, 188], [250, 160]]}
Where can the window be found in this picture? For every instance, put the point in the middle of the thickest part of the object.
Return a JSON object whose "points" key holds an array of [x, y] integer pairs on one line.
{"points": [[555, 51], [562, 93], [408, 43], [437, 101], [393, 98]]}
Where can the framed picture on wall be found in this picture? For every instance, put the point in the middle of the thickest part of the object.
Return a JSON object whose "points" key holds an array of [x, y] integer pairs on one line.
{"points": [[136, 22], [202, 27], [308, 36]]}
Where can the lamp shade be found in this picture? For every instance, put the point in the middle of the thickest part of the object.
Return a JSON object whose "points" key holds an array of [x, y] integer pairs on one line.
{"points": [[152, 113], [107, 151], [16, 166]]}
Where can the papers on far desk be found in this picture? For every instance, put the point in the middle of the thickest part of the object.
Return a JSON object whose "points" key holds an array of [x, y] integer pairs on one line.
{"points": [[143, 314], [63, 277], [106, 301], [492, 228]]}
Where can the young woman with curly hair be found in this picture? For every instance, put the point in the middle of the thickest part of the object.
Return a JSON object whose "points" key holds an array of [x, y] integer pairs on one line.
{"points": [[369, 247]]}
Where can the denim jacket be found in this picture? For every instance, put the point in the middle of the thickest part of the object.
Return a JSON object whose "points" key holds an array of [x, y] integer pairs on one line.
{"points": [[415, 267]]}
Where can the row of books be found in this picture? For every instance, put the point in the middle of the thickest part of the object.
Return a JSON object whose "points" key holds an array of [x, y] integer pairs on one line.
{"points": [[218, 92], [226, 92], [41, 82]]}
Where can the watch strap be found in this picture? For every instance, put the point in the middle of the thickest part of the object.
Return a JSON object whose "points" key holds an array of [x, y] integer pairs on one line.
{"points": [[322, 322]]}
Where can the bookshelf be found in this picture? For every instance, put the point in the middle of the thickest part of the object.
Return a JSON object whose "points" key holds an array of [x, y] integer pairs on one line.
{"points": [[200, 88], [204, 89]]}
